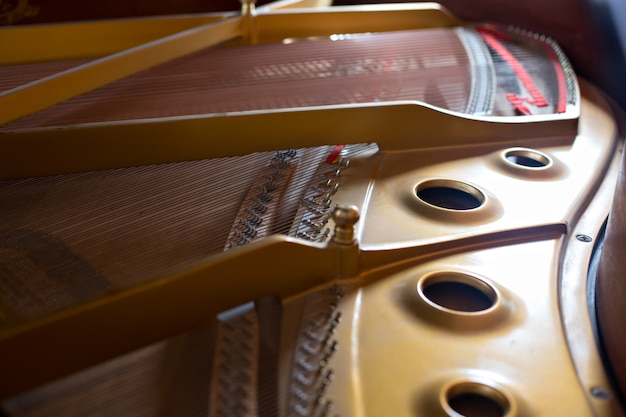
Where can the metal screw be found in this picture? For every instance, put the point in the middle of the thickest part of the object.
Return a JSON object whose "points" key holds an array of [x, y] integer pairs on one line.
{"points": [[600, 393], [584, 238]]}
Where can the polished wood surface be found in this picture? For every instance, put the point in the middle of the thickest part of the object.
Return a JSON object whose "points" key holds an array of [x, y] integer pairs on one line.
{"points": [[611, 284]]}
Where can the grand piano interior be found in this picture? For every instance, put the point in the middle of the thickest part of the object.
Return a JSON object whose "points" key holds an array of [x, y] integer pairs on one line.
{"points": [[300, 208]]}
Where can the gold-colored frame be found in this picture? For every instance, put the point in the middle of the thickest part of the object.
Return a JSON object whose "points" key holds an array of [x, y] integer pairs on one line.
{"points": [[109, 326]]}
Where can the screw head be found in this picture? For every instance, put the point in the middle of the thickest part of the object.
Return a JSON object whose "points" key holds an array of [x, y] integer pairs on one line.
{"points": [[584, 238], [600, 393]]}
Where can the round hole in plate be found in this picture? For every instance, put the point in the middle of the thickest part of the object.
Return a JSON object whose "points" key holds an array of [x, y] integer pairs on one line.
{"points": [[474, 399], [527, 158], [459, 292], [449, 194], [458, 296]]}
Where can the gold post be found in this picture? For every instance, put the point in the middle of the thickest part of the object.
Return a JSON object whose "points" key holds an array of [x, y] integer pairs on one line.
{"points": [[345, 217], [248, 14]]}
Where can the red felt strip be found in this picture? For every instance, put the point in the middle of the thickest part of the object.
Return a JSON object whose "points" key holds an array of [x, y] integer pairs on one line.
{"points": [[537, 98], [334, 155]]}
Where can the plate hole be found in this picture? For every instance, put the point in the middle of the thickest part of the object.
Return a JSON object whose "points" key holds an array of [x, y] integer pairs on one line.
{"points": [[451, 195], [477, 400], [470, 405], [527, 158], [458, 296], [459, 292]]}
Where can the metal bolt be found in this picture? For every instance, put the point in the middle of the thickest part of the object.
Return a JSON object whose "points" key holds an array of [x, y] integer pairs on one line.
{"points": [[584, 238], [345, 217]]}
